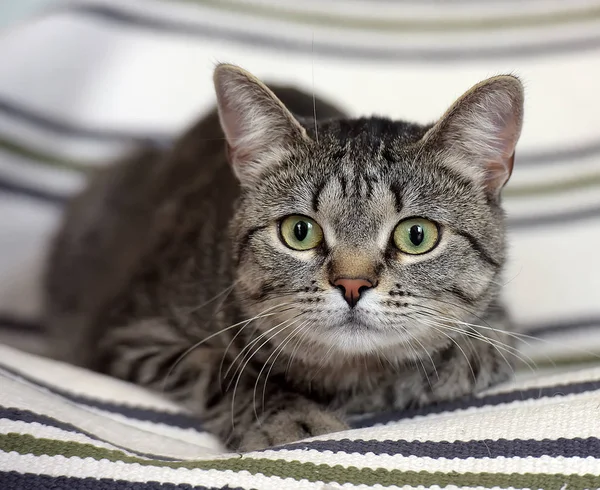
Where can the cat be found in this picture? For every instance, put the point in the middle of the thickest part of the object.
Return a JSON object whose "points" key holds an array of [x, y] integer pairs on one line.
{"points": [[283, 266]]}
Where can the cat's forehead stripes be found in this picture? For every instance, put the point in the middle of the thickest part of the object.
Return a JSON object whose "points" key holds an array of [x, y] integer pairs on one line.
{"points": [[354, 177]]}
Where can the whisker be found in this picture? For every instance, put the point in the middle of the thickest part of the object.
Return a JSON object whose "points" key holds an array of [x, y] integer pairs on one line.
{"points": [[510, 334], [487, 326], [301, 338], [459, 347], [495, 343], [194, 347], [303, 332], [466, 310], [225, 292], [437, 375], [392, 365], [313, 86], [206, 339], [236, 336], [241, 371], [521, 338], [321, 364], [416, 356], [276, 352], [246, 351]]}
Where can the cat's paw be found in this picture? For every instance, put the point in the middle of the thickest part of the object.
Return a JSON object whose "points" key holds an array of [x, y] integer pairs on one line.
{"points": [[289, 425]]}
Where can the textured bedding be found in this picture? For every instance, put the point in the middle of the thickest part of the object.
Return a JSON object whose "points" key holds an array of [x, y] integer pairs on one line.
{"points": [[61, 427], [87, 80]]}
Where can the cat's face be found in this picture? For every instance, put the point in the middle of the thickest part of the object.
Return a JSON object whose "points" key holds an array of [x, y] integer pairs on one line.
{"points": [[373, 237]]}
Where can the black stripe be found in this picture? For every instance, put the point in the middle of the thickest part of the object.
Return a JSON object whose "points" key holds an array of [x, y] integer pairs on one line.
{"points": [[558, 155], [397, 192], [437, 2], [51, 124], [245, 240], [46, 122], [14, 323], [174, 419], [29, 481], [550, 327], [17, 414], [478, 248], [460, 294], [478, 402], [36, 194], [558, 218], [136, 365], [344, 185], [398, 52], [370, 180], [488, 448], [164, 366], [317, 194]]}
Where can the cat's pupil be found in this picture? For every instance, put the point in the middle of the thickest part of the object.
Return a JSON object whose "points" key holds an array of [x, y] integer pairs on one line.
{"points": [[417, 234], [301, 230]]}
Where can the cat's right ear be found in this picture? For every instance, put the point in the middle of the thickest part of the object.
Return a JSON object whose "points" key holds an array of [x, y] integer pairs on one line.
{"points": [[260, 131], [479, 133]]}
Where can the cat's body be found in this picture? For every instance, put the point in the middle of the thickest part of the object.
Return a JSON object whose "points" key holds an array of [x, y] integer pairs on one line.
{"points": [[171, 274]]}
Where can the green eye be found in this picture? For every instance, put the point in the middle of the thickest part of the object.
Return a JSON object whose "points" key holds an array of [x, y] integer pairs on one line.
{"points": [[416, 236], [300, 232]]}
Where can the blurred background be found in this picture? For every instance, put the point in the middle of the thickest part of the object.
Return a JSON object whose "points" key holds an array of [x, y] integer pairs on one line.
{"points": [[81, 81]]}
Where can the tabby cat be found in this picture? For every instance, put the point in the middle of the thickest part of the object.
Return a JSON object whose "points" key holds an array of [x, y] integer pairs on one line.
{"points": [[277, 271]]}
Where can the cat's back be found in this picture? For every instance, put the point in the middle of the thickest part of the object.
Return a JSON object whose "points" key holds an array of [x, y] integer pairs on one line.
{"points": [[117, 221]]}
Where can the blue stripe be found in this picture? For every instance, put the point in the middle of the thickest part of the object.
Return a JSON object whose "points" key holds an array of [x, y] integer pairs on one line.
{"points": [[51, 124], [11, 480], [469, 52], [51, 198], [481, 401], [17, 414], [501, 448], [149, 415]]}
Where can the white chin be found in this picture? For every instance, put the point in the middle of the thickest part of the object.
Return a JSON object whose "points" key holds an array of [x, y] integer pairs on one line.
{"points": [[356, 339]]}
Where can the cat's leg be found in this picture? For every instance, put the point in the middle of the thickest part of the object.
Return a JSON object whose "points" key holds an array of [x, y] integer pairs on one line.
{"points": [[157, 355], [152, 353], [285, 418]]}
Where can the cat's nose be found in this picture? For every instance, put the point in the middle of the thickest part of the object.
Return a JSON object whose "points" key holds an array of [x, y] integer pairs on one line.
{"points": [[352, 289]]}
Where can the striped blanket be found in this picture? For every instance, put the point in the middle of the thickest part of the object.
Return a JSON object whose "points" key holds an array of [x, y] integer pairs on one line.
{"points": [[83, 81], [65, 428]]}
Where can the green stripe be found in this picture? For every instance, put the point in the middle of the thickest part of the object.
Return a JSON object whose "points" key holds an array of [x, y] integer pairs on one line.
{"points": [[326, 19], [41, 157], [26, 444], [583, 361], [586, 181]]}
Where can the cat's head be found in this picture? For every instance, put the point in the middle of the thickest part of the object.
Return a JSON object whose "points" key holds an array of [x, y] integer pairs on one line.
{"points": [[368, 235]]}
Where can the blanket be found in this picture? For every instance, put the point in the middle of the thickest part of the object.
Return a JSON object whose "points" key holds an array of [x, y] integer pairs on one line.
{"points": [[64, 428]]}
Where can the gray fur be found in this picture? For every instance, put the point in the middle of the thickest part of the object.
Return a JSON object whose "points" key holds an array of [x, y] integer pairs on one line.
{"points": [[169, 273]]}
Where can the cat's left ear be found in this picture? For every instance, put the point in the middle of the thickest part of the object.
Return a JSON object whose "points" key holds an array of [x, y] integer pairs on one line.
{"points": [[479, 133], [260, 131]]}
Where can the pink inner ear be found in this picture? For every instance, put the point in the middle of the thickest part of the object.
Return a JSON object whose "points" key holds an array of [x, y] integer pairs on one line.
{"points": [[232, 125], [498, 173], [499, 169]]}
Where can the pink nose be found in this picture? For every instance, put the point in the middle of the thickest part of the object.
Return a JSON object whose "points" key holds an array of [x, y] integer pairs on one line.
{"points": [[352, 288]]}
